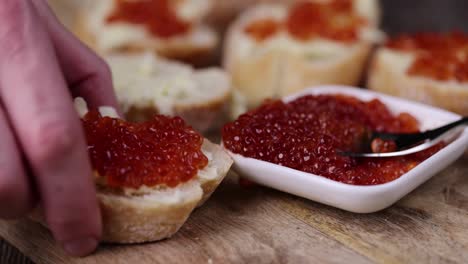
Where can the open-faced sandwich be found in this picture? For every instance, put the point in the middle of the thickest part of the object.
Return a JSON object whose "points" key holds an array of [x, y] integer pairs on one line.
{"points": [[427, 67], [172, 29], [276, 49], [149, 176], [146, 85]]}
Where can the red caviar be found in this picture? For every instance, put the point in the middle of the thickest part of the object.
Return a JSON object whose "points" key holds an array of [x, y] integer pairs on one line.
{"points": [[439, 56], [333, 20], [158, 16], [379, 145], [161, 151], [306, 134], [306, 20], [263, 29]]}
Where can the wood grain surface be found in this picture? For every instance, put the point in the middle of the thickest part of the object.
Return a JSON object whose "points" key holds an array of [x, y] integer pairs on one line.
{"points": [[261, 225]]}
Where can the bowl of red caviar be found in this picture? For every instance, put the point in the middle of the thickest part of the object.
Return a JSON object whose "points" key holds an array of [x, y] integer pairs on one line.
{"points": [[294, 145]]}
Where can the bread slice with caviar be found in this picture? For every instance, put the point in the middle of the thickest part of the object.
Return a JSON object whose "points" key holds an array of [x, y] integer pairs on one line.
{"points": [[428, 67], [273, 50], [133, 210], [147, 84], [158, 213], [172, 29]]}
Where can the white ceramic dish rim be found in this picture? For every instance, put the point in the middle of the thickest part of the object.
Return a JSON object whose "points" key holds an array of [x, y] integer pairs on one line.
{"points": [[410, 178]]}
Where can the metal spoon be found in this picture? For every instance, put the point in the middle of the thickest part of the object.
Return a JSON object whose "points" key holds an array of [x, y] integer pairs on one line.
{"points": [[408, 143]]}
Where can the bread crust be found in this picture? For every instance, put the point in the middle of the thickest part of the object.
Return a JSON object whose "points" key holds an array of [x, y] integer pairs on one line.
{"points": [[280, 72], [256, 78], [128, 219], [388, 77], [222, 162], [136, 219], [348, 70], [203, 117]]}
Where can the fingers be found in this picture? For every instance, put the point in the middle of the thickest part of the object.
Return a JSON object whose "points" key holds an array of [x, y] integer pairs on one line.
{"points": [[16, 198], [88, 74], [41, 111]]}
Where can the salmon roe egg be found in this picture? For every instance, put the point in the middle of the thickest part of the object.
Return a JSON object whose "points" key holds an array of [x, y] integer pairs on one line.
{"points": [[263, 29], [162, 151]]}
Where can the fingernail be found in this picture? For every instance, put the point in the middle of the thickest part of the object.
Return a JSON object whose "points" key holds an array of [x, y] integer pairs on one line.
{"points": [[80, 247]]}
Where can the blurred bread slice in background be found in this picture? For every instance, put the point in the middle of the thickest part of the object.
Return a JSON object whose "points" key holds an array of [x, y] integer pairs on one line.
{"points": [[273, 50], [147, 84], [428, 67], [172, 29]]}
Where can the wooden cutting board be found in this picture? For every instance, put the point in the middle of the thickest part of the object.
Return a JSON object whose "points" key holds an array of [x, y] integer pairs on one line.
{"points": [[260, 225]]}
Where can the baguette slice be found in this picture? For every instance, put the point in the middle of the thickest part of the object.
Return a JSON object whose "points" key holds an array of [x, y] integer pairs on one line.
{"points": [[388, 74], [196, 46], [146, 84], [151, 214], [281, 65], [159, 213]]}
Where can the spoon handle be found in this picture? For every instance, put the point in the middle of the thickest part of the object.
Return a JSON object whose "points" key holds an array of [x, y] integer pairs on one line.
{"points": [[404, 140]]}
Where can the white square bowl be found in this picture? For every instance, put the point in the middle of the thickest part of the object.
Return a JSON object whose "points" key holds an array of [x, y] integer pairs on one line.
{"points": [[353, 198]]}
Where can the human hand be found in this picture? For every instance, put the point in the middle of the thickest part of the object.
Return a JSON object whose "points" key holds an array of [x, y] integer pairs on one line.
{"points": [[43, 154]]}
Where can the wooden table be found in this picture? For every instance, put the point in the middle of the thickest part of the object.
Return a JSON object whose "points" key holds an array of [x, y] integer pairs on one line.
{"points": [[262, 225]]}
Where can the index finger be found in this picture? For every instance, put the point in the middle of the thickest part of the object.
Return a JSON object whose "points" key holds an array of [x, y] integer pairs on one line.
{"points": [[88, 75], [41, 111]]}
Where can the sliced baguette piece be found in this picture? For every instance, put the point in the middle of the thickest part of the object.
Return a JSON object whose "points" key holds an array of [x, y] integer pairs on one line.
{"points": [[281, 65], [148, 217], [196, 46], [153, 213], [146, 84], [388, 74]]}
